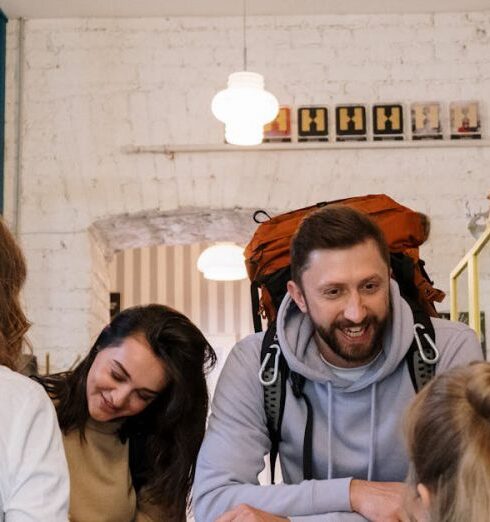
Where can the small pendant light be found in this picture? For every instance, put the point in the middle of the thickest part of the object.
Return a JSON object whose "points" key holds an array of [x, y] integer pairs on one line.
{"points": [[245, 106], [222, 262]]}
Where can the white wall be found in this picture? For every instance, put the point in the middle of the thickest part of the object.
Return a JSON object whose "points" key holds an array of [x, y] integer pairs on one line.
{"points": [[92, 87]]}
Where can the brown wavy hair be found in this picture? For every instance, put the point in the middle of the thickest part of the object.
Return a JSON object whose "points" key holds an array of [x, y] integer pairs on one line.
{"points": [[167, 434], [14, 323], [448, 434], [333, 227]]}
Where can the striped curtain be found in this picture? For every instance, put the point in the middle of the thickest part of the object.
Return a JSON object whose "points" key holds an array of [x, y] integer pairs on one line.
{"points": [[168, 275]]}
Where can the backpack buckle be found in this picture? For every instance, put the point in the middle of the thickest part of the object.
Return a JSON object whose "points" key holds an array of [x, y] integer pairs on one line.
{"points": [[431, 355], [264, 369]]}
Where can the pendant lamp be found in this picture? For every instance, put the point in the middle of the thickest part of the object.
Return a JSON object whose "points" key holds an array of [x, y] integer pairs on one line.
{"points": [[222, 262], [245, 106]]}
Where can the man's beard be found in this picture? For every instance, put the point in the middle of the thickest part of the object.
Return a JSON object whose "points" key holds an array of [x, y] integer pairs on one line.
{"points": [[349, 350]]}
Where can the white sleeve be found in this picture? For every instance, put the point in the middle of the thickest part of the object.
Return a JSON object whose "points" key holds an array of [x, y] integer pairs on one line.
{"points": [[38, 473]]}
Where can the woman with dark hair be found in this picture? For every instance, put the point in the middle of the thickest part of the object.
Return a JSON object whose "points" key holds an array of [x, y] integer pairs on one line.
{"points": [[32, 462], [133, 415]]}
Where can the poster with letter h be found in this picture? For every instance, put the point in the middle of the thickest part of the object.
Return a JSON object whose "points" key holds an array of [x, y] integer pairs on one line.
{"points": [[279, 129], [426, 121], [312, 123], [350, 122], [388, 122]]}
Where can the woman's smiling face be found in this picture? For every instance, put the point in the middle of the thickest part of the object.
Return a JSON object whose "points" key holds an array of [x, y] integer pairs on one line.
{"points": [[124, 379]]}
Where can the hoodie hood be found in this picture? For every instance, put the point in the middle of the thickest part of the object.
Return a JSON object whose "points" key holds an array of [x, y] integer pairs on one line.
{"points": [[295, 334]]}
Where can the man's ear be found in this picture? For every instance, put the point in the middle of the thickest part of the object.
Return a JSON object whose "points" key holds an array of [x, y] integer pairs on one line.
{"points": [[424, 493], [297, 295]]}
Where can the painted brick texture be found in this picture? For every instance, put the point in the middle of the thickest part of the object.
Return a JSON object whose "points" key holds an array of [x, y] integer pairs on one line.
{"points": [[92, 87]]}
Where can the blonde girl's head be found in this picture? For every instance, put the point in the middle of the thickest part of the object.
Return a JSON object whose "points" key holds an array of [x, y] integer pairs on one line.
{"points": [[448, 436]]}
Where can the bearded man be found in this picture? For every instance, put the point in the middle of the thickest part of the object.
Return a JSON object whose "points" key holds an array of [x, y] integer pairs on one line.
{"points": [[346, 329]]}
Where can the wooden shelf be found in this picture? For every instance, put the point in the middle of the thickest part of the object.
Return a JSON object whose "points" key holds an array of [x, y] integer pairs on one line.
{"points": [[171, 150]]}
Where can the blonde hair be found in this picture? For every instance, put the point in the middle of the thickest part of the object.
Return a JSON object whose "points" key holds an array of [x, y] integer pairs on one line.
{"points": [[13, 322], [448, 434]]}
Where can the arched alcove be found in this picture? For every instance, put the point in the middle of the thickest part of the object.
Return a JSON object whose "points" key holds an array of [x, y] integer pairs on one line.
{"points": [[182, 226], [96, 249]]}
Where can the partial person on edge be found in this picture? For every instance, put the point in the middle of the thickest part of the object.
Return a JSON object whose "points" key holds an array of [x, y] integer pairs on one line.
{"points": [[344, 326], [34, 485], [448, 435]]}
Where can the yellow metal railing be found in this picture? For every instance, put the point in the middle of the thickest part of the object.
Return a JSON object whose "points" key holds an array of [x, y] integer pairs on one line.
{"points": [[470, 261]]}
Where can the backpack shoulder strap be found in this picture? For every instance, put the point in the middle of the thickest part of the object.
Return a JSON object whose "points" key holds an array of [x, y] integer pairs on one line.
{"points": [[254, 294], [273, 377], [422, 355], [297, 385]]}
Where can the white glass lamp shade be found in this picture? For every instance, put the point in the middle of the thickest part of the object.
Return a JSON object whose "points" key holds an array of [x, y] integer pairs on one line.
{"points": [[245, 107], [222, 262]]}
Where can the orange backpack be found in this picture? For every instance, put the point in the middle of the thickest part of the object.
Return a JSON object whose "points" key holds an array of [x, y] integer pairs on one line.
{"points": [[267, 254]]}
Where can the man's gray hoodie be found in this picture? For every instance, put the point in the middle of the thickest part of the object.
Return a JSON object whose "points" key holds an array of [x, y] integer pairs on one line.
{"points": [[356, 425]]}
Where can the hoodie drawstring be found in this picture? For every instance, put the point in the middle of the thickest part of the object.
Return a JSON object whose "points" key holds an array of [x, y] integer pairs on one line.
{"points": [[329, 439], [372, 434]]}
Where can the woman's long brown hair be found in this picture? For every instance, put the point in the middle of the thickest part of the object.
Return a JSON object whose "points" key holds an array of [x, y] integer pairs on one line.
{"points": [[13, 322]]}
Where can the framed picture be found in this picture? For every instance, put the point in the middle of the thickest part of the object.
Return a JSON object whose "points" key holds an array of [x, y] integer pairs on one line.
{"points": [[465, 120], [313, 123], [115, 303], [426, 121], [351, 123], [388, 122], [279, 129]]}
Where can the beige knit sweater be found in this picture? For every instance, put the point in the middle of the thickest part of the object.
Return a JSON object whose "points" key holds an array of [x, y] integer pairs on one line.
{"points": [[100, 480]]}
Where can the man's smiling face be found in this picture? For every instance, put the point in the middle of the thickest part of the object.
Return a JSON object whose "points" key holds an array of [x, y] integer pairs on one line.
{"points": [[346, 293]]}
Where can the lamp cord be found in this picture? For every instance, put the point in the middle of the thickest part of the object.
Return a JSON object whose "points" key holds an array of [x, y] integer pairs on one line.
{"points": [[244, 35]]}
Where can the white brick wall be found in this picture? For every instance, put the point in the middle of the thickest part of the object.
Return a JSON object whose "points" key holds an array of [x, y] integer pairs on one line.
{"points": [[92, 87], [59, 294]]}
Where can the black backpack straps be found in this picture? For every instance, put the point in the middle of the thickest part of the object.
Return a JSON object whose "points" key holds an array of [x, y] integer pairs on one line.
{"points": [[298, 382], [422, 355], [403, 273], [254, 294], [273, 377]]}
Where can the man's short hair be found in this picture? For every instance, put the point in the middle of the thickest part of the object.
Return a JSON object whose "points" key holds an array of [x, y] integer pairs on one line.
{"points": [[331, 228]]}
